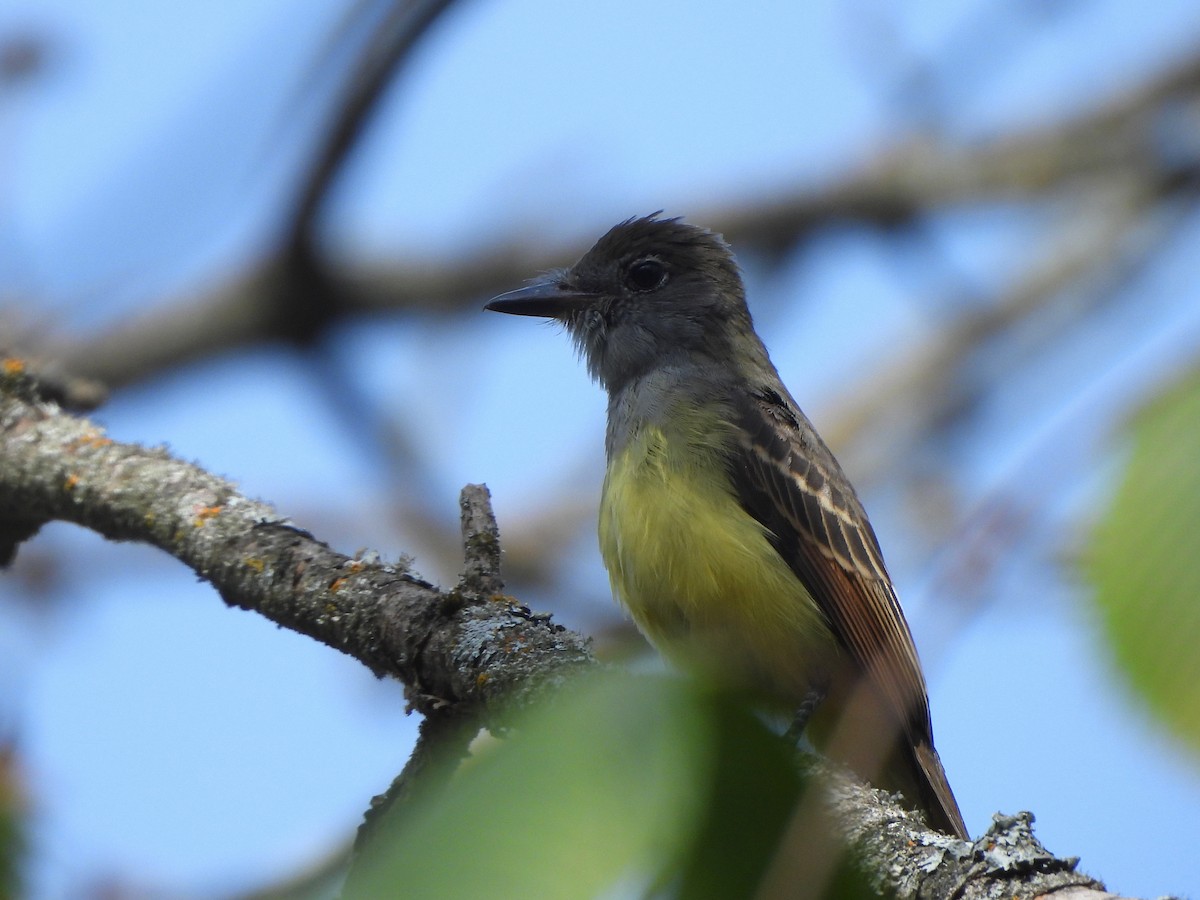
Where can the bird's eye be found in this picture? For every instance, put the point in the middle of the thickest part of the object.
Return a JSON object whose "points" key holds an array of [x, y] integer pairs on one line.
{"points": [[647, 274]]}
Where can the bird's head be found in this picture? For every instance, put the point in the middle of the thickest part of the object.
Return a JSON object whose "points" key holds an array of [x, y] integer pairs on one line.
{"points": [[652, 292]]}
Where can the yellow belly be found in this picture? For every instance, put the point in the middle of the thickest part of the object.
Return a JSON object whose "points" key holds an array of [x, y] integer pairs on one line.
{"points": [[700, 576]]}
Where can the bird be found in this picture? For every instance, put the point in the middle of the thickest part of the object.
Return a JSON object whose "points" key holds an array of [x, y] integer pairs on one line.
{"points": [[728, 529]]}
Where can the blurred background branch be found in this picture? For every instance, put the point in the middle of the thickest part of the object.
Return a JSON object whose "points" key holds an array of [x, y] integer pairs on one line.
{"points": [[1141, 144]]}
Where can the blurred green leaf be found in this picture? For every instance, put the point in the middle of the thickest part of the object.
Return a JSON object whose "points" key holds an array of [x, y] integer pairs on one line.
{"points": [[598, 788], [622, 786], [1145, 560], [13, 846], [755, 788]]}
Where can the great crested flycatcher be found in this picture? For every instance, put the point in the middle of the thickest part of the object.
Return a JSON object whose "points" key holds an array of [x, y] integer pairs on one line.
{"points": [[727, 527]]}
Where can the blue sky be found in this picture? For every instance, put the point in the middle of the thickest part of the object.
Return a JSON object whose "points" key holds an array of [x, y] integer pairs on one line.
{"points": [[198, 749]]}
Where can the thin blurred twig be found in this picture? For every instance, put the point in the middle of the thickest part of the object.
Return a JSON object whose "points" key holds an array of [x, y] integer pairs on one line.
{"points": [[389, 47]]}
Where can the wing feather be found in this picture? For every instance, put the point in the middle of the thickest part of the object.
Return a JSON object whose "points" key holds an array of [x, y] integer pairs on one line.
{"points": [[787, 479], [790, 482]]}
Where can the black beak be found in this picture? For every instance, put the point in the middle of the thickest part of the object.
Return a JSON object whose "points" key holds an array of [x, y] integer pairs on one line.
{"points": [[547, 299]]}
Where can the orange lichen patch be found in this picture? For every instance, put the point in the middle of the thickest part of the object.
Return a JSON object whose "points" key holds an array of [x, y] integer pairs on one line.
{"points": [[204, 513], [93, 440], [355, 567], [12, 365], [256, 564], [514, 645], [71, 482], [482, 678], [337, 584]]}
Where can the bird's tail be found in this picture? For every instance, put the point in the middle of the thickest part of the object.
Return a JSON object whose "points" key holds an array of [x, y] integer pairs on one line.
{"points": [[863, 734], [934, 794]]}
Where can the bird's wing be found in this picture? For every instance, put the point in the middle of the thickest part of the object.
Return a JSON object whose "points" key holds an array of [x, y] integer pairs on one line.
{"points": [[790, 482]]}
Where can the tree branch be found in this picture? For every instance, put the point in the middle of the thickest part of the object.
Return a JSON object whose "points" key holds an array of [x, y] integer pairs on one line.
{"points": [[448, 647], [904, 859]]}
